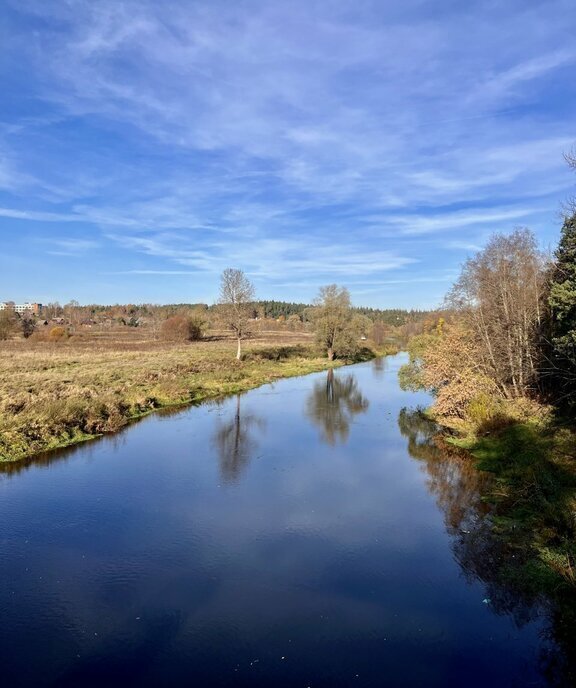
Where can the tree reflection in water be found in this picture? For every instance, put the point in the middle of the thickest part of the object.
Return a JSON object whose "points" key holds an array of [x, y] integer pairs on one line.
{"points": [[379, 367], [484, 553], [333, 404], [235, 442]]}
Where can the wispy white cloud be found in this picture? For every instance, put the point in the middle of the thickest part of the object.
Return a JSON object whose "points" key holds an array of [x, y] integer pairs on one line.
{"points": [[504, 84], [70, 247], [294, 138], [38, 216], [161, 273], [463, 246], [442, 222], [268, 259]]}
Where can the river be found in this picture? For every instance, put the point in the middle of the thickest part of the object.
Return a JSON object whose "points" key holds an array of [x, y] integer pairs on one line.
{"points": [[306, 533]]}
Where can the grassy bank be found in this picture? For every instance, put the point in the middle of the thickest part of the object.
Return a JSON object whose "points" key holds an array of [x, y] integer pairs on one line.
{"points": [[57, 395], [532, 495]]}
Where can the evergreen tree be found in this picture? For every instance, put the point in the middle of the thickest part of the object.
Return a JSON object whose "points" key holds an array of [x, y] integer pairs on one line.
{"points": [[562, 303]]}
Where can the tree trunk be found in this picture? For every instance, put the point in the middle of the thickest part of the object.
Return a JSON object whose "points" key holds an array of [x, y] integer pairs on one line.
{"points": [[239, 352], [330, 386], [330, 354]]}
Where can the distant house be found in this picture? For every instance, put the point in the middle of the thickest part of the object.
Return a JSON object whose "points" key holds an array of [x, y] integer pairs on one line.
{"points": [[22, 308]]}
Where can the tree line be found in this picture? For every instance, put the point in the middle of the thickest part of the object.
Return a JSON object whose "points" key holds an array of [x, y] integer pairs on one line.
{"points": [[191, 321], [507, 339]]}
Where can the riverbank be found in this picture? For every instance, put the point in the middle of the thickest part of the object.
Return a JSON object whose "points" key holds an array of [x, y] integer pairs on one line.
{"points": [[55, 396], [531, 494], [528, 457]]}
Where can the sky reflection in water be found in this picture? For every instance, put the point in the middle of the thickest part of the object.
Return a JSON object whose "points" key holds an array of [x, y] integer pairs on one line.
{"points": [[309, 533]]}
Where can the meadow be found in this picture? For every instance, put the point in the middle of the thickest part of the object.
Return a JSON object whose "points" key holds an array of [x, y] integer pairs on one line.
{"points": [[54, 394]]}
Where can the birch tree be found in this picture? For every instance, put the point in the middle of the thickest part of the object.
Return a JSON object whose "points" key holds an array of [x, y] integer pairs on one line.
{"points": [[500, 294], [235, 304]]}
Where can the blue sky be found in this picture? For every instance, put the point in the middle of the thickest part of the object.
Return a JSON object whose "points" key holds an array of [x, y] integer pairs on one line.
{"points": [[146, 146]]}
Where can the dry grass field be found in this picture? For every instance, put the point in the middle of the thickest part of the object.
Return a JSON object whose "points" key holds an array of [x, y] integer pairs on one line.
{"points": [[54, 394]]}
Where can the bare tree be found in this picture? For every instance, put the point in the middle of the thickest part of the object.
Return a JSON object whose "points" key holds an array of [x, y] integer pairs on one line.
{"points": [[378, 333], [235, 304], [52, 310], [571, 158], [500, 293], [570, 206]]}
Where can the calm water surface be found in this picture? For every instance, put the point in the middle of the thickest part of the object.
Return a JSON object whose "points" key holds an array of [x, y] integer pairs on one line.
{"points": [[307, 533]]}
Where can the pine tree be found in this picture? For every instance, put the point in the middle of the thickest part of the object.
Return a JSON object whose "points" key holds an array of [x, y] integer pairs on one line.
{"points": [[562, 297], [562, 303]]}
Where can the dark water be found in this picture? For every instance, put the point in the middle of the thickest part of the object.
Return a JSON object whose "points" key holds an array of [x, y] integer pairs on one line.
{"points": [[303, 534]]}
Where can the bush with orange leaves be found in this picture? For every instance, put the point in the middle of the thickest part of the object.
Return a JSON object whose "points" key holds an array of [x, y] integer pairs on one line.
{"points": [[182, 328], [57, 334], [446, 363]]}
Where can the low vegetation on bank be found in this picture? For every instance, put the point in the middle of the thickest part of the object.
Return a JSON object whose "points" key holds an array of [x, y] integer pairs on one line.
{"points": [[533, 497]]}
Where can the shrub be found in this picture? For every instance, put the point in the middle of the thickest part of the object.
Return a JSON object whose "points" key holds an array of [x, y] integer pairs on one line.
{"points": [[294, 323], [57, 334], [482, 408], [182, 328], [8, 323]]}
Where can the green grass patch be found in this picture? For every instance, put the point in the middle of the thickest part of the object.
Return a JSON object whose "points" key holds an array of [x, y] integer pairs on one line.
{"points": [[533, 494]]}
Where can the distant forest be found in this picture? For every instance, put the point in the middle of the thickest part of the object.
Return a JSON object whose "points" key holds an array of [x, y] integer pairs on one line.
{"points": [[263, 309], [279, 309], [392, 316]]}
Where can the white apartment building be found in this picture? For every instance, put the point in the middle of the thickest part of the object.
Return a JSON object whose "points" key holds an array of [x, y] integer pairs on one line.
{"points": [[21, 307]]}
